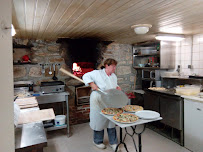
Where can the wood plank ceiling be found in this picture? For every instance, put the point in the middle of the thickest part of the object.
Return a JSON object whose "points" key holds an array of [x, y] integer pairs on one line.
{"points": [[105, 19]]}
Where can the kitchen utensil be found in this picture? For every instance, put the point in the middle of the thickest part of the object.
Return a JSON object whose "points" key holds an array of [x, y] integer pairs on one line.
{"points": [[110, 98], [43, 70], [101, 91], [147, 114], [54, 77], [50, 72]]}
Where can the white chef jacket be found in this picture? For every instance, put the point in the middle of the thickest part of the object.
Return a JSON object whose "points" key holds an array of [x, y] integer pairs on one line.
{"points": [[104, 82]]}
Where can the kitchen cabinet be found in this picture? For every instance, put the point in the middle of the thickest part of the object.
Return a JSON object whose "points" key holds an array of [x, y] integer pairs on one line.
{"points": [[193, 124], [170, 108], [151, 102], [154, 55]]}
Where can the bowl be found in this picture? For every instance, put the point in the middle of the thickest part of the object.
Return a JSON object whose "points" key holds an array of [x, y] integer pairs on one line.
{"points": [[141, 65]]}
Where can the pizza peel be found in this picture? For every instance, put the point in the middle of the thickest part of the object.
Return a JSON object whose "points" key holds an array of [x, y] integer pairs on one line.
{"points": [[111, 98]]}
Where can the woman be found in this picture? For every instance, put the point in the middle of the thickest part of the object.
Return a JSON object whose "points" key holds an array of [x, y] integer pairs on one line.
{"points": [[103, 79]]}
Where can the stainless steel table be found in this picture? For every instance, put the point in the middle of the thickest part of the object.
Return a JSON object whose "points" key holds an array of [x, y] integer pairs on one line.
{"points": [[53, 98], [30, 137], [133, 127]]}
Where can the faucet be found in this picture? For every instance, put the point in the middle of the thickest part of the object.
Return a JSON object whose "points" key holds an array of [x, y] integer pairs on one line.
{"points": [[178, 70]]}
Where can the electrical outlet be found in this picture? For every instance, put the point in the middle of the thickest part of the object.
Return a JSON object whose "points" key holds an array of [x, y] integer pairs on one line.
{"points": [[189, 66]]}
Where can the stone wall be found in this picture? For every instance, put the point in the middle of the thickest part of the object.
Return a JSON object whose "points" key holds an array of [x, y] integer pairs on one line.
{"points": [[50, 52], [125, 72], [42, 52]]}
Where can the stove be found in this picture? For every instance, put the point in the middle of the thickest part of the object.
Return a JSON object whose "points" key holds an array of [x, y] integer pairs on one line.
{"points": [[52, 87]]}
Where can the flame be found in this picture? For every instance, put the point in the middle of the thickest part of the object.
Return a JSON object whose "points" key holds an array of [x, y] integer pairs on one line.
{"points": [[76, 67]]}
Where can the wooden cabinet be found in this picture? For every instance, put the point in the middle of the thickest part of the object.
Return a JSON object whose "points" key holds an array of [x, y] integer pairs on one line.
{"points": [[193, 124]]}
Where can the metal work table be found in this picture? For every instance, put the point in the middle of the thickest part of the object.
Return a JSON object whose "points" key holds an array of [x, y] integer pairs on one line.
{"points": [[31, 136], [133, 127], [54, 98]]}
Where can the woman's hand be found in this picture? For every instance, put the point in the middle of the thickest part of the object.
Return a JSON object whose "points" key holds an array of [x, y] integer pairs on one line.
{"points": [[118, 88], [93, 86]]}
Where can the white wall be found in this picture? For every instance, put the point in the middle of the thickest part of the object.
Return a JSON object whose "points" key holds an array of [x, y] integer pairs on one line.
{"points": [[183, 55], [6, 79]]}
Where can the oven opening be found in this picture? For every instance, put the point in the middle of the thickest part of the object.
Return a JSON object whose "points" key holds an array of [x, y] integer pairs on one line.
{"points": [[83, 95], [80, 68]]}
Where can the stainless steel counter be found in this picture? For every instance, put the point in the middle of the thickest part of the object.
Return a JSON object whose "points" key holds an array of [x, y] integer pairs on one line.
{"points": [[30, 136]]}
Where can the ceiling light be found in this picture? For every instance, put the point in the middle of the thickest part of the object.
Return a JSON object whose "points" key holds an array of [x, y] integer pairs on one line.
{"points": [[169, 37], [141, 28], [13, 32]]}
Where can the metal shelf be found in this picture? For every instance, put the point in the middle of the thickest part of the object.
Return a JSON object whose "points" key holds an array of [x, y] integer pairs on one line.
{"points": [[156, 68], [56, 127], [143, 55]]}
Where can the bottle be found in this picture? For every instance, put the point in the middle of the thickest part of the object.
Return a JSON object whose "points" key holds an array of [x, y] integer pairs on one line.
{"points": [[158, 47], [148, 64]]}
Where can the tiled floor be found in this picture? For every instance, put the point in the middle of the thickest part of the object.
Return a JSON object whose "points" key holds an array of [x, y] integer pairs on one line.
{"points": [[81, 141]]}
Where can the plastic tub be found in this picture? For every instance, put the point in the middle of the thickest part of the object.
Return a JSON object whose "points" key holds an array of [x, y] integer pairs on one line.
{"points": [[60, 120], [188, 90]]}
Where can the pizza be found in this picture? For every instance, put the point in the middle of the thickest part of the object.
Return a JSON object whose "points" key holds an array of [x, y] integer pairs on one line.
{"points": [[125, 118], [132, 108], [157, 88], [112, 111]]}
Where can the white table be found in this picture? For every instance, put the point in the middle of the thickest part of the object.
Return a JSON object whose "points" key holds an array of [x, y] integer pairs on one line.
{"points": [[133, 127]]}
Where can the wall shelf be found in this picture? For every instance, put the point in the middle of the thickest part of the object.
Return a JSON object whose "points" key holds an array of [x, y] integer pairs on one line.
{"points": [[143, 55], [22, 46], [155, 68], [25, 63]]}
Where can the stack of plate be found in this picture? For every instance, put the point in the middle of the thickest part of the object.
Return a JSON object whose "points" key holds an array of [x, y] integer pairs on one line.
{"points": [[147, 114]]}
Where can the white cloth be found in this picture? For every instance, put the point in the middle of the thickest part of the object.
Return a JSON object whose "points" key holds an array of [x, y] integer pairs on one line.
{"points": [[104, 82]]}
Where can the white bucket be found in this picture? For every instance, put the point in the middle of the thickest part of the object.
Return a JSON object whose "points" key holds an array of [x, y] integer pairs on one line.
{"points": [[60, 120]]}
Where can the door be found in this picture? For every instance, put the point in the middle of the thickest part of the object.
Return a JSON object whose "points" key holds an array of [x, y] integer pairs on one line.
{"points": [[171, 109], [151, 101], [193, 125]]}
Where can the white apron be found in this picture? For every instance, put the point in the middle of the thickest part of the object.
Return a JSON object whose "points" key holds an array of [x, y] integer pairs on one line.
{"points": [[104, 82]]}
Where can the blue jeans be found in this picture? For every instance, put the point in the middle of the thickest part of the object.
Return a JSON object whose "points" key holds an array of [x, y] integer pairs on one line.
{"points": [[99, 136]]}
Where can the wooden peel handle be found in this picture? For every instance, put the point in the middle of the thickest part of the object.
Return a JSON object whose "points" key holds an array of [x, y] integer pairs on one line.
{"points": [[70, 74]]}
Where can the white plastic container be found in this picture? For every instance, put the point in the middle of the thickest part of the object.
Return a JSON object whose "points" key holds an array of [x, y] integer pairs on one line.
{"points": [[60, 120], [188, 90]]}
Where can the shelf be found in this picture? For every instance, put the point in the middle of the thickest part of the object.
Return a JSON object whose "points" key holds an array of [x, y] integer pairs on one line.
{"points": [[55, 128], [22, 46], [24, 63], [147, 68], [143, 55]]}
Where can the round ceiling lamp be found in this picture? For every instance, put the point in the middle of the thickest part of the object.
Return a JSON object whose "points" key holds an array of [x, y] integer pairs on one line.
{"points": [[141, 28]]}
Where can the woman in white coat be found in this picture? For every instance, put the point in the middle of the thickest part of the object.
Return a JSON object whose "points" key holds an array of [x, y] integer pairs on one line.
{"points": [[103, 79]]}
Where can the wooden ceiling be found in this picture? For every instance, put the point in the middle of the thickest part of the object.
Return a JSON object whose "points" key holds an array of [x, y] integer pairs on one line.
{"points": [[105, 19]]}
